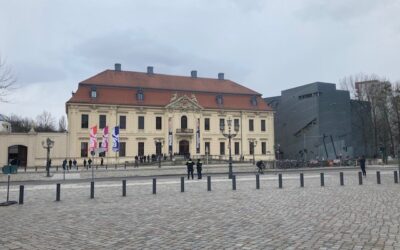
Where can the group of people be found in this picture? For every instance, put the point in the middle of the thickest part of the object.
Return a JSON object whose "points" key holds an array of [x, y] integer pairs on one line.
{"points": [[67, 165], [190, 168]]}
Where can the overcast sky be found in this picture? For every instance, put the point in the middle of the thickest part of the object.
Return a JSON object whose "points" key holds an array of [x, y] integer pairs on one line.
{"points": [[268, 45]]}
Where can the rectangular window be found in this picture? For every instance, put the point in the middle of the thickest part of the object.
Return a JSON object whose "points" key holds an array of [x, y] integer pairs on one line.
{"points": [[207, 124], [140, 148], [102, 121], [101, 154], [122, 149], [122, 122], [221, 124], [222, 148], [207, 148], [263, 125], [85, 121], [251, 125], [141, 122], [251, 149], [158, 123], [264, 148], [236, 123], [237, 151], [84, 149]]}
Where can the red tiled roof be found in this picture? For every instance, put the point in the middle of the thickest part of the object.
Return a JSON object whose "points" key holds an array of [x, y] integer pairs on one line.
{"points": [[120, 88], [170, 82]]}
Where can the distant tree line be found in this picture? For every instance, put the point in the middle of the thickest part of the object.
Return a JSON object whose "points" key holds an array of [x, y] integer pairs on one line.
{"points": [[44, 122], [381, 98]]}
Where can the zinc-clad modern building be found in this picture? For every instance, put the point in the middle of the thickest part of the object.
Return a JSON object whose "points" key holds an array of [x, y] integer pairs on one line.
{"points": [[317, 121], [167, 114]]}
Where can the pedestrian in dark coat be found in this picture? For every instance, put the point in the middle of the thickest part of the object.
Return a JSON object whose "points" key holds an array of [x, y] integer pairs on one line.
{"points": [[199, 166], [74, 162], [90, 163], [362, 165], [84, 163], [101, 161], [189, 165], [70, 164], [64, 164]]}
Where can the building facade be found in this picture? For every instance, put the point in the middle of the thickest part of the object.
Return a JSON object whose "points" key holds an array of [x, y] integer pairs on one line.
{"points": [[169, 115], [317, 121]]}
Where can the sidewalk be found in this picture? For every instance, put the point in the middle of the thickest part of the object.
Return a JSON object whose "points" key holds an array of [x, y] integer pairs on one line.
{"points": [[164, 171]]}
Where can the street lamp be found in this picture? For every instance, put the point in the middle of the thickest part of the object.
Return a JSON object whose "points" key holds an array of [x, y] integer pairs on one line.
{"points": [[253, 143], [48, 144], [159, 141], [229, 135]]}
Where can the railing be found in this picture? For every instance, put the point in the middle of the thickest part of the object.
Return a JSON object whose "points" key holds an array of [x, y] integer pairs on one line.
{"points": [[184, 131]]}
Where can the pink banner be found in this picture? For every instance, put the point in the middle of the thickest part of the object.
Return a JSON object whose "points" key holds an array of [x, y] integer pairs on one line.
{"points": [[93, 139]]}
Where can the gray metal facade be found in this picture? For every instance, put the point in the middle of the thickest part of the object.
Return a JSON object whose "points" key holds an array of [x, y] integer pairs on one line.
{"points": [[314, 121]]}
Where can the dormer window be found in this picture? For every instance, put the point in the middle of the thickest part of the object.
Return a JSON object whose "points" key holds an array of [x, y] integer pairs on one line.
{"points": [[140, 95], [253, 101], [220, 99], [93, 92]]}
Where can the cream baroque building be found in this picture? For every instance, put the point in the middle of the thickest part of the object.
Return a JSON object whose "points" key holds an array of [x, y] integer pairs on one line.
{"points": [[157, 114], [168, 114]]}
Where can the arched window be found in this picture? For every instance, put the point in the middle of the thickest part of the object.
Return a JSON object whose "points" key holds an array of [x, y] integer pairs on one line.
{"points": [[184, 122]]}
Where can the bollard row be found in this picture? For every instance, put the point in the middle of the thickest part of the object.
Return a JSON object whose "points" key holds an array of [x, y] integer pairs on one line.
{"points": [[280, 184]]}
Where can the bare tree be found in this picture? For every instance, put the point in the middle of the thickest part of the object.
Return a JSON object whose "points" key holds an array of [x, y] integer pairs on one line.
{"points": [[20, 124], [7, 80], [62, 124], [45, 122]]}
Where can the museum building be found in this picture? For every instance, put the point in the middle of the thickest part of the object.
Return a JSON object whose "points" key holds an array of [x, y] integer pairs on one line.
{"points": [[169, 115], [156, 114]]}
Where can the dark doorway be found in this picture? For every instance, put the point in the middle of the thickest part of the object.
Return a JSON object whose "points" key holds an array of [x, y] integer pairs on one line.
{"points": [[184, 147], [18, 154]]}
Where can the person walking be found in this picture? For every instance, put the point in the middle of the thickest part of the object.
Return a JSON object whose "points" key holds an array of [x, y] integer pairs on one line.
{"points": [[361, 160], [199, 166], [74, 162], [70, 164], [64, 164], [101, 161], [84, 163], [189, 165], [90, 163]]}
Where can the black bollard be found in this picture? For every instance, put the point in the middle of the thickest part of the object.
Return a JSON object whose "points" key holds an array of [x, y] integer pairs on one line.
{"points": [[21, 194], [92, 190], [123, 188], [280, 180], [396, 180], [58, 190], [233, 182], [208, 183], [360, 181], [154, 185], [322, 179], [257, 181], [301, 180], [341, 179], [378, 177], [182, 184]]}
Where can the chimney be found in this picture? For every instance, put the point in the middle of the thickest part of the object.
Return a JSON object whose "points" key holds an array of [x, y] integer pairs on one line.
{"points": [[193, 73], [150, 70], [117, 67], [220, 76]]}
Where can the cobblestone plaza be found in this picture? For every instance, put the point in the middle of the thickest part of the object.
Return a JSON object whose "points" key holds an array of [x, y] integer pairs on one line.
{"points": [[332, 217]]}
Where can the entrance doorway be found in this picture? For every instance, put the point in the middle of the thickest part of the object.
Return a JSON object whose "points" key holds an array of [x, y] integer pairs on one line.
{"points": [[18, 154], [184, 147]]}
